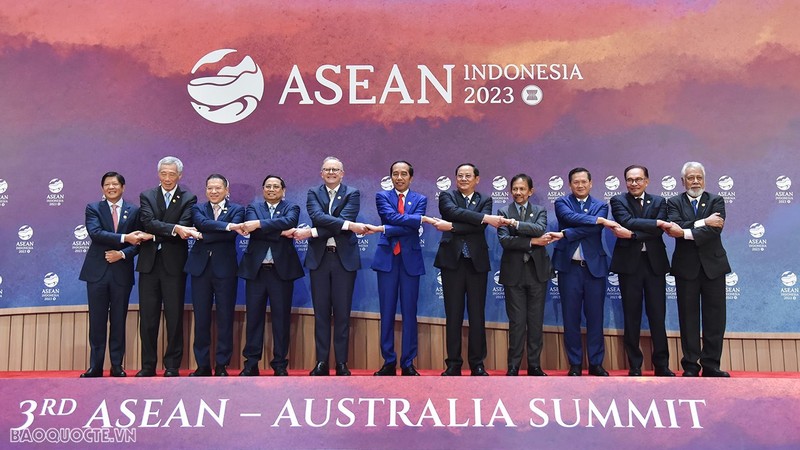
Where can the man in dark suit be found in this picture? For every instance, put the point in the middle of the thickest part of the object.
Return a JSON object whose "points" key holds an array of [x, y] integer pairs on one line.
{"points": [[699, 265], [582, 266], [463, 258], [398, 264], [212, 266], [270, 265], [166, 212], [640, 260], [524, 272], [333, 260], [113, 226]]}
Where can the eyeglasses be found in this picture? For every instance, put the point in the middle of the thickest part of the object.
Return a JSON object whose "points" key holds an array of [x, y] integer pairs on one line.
{"points": [[331, 170], [635, 180]]}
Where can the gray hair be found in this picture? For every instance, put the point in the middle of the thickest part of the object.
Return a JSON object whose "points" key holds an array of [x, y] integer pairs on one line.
{"points": [[692, 165], [333, 158], [169, 160]]}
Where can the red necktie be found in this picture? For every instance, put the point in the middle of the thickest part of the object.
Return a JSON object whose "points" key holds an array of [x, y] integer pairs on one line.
{"points": [[401, 208], [115, 216]]}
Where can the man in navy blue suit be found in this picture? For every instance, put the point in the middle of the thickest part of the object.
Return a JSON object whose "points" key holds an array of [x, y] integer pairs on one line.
{"points": [[212, 266], [113, 226], [398, 264], [582, 266], [270, 266], [333, 260]]}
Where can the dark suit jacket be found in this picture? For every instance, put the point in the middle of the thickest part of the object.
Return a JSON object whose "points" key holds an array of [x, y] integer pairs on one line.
{"points": [[284, 253], [402, 228], [218, 247], [706, 250], [100, 226], [625, 210], [467, 228], [581, 228], [345, 207], [160, 220], [517, 241]]}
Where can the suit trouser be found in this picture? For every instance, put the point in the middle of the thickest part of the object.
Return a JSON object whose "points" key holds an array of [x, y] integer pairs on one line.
{"points": [[580, 291], [464, 280], [393, 285], [108, 308], [332, 292], [206, 291], [525, 310], [713, 308], [159, 288], [268, 286], [644, 285]]}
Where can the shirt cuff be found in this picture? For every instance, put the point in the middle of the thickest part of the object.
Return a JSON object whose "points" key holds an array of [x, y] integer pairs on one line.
{"points": [[346, 225], [687, 234], [121, 238], [700, 223], [123, 254], [314, 232], [173, 230]]}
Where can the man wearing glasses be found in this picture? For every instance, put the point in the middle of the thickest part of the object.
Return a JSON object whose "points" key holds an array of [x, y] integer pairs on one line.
{"points": [[640, 260], [333, 260]]}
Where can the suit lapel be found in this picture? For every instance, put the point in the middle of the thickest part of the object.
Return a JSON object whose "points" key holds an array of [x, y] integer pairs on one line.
{"points": [[105, 216], [123, 215], [702, 204]]}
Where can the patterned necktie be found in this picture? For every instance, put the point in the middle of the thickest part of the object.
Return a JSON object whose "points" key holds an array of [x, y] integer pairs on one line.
{"points": [[331, 194], [271, 211], [464, 247], [640, 202], [217, 209], [167, 196], [115, 216], [694, 205], [582, 204], [401, 208], [523, 212]]}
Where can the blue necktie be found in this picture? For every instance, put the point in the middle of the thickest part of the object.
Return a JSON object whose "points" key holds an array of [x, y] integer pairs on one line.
{"points": [[167, 196], [694, 205]]}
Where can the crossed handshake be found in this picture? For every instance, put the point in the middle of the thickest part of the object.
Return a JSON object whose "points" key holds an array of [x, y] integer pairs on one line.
{"points": [[671, 228]]}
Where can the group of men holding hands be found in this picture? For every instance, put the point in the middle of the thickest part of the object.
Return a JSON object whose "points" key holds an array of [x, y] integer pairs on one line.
{"points": [[168, 215]]}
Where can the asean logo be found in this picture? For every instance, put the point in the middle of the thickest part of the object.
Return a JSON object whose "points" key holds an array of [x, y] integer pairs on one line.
{"points": [[232, 93]]}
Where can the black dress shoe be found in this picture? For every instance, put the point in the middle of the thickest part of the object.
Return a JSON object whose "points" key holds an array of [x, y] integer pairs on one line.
{"points": [[203, 371], [597, 370], [536, 371], [635, 372], [250, 371], [410, 371], [220, 371], [664, 372], [452, 371], [715, 373], [690, 373], [116, 371], [145, 373], [388, 370], [320, 370], [512, 371], [169, 373], [280, 372], [92, 373], [478, 371], [574, 370], [342, 370]]}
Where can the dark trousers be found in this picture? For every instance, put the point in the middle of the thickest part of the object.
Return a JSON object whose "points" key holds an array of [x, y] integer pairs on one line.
{"points": [[206, 291], [268, 287], [396, 285], [332, 293], [707, 297], [525, 309], [464, 281], [644, 286], [108, 308], [157, 289], [582, 292]]}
